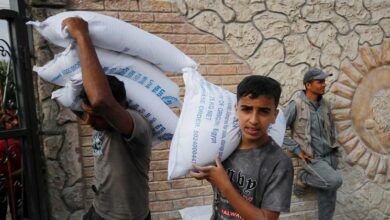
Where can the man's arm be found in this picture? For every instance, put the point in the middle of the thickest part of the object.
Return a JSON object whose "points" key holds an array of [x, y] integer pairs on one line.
{"points": [[217, 176], [290, 113], [95, 81]]}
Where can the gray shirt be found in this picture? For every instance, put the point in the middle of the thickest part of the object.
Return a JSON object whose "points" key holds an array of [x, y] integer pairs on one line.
{"points": [[319, 140], [121, 167], [262, 175]]}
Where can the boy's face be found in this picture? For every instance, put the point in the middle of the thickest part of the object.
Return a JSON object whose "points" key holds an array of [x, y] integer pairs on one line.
{"points": [[255, 116]]}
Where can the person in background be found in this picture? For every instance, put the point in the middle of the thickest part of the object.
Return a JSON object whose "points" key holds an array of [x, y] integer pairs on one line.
{"points": [[122, 138], [11, 186], [255, 181], [313, 140]]}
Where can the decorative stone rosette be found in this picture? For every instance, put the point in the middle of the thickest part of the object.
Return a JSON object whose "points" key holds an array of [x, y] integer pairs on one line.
{"points": [[362, 110]]}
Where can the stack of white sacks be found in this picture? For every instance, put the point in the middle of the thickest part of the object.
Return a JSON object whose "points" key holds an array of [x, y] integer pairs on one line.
{"points": [[207, 123]]}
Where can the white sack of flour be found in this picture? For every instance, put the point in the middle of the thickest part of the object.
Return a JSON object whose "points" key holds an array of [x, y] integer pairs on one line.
{"points": [[67, 64], [113, 34], [68, 96], [162, 119], [207, 126]]}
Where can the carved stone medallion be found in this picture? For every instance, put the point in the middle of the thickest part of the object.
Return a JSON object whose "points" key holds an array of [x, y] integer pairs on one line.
{"points": [[362, 110]]}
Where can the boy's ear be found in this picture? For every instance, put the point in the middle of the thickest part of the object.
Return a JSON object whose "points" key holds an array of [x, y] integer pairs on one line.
{"points": [[276, 115]]}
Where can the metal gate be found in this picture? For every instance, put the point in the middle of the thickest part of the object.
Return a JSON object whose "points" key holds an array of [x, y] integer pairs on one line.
{"points": [[22, 191]]}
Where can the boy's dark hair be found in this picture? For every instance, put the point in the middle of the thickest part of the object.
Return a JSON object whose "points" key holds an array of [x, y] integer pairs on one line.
{"points": [[256, 86], [117, 88]]}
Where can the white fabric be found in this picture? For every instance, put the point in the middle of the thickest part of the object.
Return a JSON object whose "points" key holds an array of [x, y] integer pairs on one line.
{"points": [[67, 64], [113, 34], [159, 115], [69, 95], [196, 212], [207, 126]]}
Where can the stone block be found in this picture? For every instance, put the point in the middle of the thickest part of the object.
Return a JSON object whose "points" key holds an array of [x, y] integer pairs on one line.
{"points": [[200, 191], [214, 79], [272, 25], [52, 145], [88, 161], [187, 202], [266, 57], [86, 141], [209, 22], [232, 80], [290, 8], [159, 185], [168, 18], [353, 11], [242, 38], [160, 206], [138, 17], [152, 196], [206, 59], [155, 6], [216, 49], [229, 59], [174, 38], [121, 5], [244, 69], [185, 29], [160, 175], [66, 115], [185, 183], [245, 9], [378, 9], [86, 4], [300, 50], [159, 165], [201, 38], [89, 172], [208, 200], [156, 28], [371, 34], [222, 69], [192, 49], [171, 194], [160, 155]]}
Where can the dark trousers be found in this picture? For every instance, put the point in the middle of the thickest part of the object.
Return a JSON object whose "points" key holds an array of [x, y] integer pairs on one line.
{"points": [[92, 215]]}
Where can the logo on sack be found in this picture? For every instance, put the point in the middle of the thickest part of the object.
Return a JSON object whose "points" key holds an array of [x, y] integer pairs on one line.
{"points": [[166, 137], [169, 100]]}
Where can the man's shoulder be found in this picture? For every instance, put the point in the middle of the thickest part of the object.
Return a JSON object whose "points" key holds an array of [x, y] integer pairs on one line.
{"points": [[135, 115]]}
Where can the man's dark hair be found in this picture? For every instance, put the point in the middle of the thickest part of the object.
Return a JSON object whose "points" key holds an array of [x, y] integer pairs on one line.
{"points": [[256, 86], [117, 88]]}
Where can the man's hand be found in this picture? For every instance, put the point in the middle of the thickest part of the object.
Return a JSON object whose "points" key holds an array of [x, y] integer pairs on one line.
{"points": [[76, 26], [216, 175], [305, 157]]}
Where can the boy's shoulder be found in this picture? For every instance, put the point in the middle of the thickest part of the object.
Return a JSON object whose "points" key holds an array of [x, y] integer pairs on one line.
{"points": [[278, 155]]}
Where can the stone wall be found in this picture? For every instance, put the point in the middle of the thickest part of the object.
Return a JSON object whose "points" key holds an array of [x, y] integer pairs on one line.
{"points": [[350, 39], [231, 39]]}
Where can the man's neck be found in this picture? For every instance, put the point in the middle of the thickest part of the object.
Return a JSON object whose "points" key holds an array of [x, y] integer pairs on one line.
{"points": [[312, 97]]}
